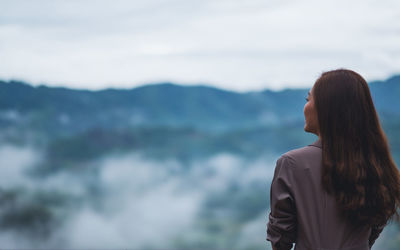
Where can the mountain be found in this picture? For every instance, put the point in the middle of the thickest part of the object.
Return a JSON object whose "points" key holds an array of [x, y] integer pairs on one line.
{"points": [[386, 96], [68, 111], [61, 110]]}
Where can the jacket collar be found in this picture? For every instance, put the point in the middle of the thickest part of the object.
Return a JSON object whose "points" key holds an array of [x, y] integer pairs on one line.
{"points": [[317, 143]]}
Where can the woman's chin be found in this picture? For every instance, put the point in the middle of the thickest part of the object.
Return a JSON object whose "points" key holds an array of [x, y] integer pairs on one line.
{"points": [[307, 129]]}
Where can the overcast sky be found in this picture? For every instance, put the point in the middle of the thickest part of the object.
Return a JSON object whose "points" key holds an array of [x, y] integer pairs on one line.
{"points": [[240, 45]]}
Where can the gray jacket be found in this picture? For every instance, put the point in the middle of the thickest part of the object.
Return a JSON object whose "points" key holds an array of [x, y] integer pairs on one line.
{"points": [[303, 213]]}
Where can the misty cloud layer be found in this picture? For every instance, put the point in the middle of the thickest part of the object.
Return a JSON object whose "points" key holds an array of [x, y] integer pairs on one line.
{"points": [[128, 201]]}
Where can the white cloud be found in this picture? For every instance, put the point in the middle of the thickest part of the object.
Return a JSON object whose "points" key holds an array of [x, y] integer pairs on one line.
{"points": [[143, 205], [141, 202], [239, 45], [15, 163], [253, 231]]}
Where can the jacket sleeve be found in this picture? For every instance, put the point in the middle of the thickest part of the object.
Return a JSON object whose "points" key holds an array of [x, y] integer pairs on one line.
{"points": [[282, 224], [375, 232]]}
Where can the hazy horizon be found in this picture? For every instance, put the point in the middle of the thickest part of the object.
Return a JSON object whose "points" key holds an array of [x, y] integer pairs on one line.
{"points": [[51, 85]]}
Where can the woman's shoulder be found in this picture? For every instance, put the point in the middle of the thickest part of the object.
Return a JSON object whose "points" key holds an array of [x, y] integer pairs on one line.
{"points": [[311, 152]]}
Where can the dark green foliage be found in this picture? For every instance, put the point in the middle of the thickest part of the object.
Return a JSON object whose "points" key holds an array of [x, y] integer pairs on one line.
{"points": [[30, 214]]}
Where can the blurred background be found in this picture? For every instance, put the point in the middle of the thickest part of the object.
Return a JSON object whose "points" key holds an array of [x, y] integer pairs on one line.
{"points": [[157, 124]]}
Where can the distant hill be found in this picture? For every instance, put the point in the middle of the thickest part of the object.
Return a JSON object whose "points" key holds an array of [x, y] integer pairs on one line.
{"points": [[68, 111], [386, 95]]}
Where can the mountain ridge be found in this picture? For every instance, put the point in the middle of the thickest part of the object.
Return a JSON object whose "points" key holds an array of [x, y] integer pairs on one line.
{"points": [[60, 109]]}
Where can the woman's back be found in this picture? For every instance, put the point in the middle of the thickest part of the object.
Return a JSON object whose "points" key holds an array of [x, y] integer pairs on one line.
{"points": [[302, 212], [340, 191]]}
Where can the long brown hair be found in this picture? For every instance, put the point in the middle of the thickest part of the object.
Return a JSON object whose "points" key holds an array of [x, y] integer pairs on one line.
{"points": [[358, 168]]}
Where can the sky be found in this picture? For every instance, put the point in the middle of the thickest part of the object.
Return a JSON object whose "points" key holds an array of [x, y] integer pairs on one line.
{"points": [[230, 44]]}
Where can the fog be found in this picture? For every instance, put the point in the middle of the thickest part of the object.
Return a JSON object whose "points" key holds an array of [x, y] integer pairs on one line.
{"points": [[126, 200]]}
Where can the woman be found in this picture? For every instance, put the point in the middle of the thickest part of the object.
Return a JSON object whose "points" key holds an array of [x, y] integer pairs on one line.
{"points": [[340, 191]]}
